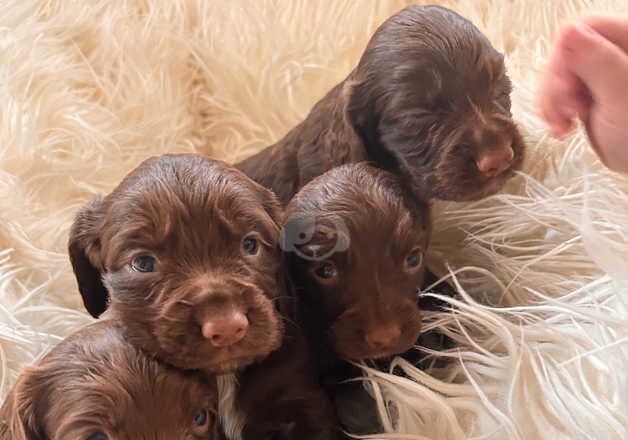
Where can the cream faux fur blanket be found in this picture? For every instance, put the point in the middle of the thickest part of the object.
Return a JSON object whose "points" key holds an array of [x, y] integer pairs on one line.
{"points": [[90, 88]]}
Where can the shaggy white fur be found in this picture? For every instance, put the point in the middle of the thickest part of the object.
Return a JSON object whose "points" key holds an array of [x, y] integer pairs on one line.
{"points": [[90, 88]]}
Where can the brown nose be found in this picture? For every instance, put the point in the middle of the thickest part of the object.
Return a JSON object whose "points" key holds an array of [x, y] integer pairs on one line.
{"points": [[383, 337], [492, 163], [225, 331]]}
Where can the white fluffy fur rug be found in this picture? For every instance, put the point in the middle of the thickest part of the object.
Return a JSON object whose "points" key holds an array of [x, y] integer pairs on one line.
{"points": [[90, 88]]}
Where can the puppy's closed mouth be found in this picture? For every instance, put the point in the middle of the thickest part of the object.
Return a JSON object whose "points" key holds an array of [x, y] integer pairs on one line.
{"points": [[233, 364], [376, 355], [224, 361]]}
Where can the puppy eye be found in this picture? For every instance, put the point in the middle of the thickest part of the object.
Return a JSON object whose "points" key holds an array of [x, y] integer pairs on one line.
{"points": [[326, 271], [143, 263], [201, 418], [414, 259], [97, 435], [250, 245]]}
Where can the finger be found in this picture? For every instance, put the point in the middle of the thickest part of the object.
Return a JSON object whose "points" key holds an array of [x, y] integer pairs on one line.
{"points": [[561, 96], [613, 29], [558, 124], [598, 63]]}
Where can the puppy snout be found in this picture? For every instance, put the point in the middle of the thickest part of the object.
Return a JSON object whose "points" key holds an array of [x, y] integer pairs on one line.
{"points": [[227, 329], [494, 162], [383, 337]]}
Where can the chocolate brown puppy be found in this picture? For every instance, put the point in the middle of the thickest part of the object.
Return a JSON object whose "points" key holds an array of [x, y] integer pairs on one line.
{"points": [[184, 253], [428, 101], [356, 241], [96, 386]]}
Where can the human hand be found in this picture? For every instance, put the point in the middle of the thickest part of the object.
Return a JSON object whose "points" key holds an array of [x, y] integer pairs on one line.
{"points": [[587, 78]]}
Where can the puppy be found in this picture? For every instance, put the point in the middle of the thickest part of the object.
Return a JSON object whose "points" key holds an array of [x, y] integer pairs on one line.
{"points": [[96, 386], [356, 243], [354, 240], [184, 253], [428, 101]]}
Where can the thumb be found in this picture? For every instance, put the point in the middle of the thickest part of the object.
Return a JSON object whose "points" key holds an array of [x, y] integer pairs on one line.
{"points": [[598, 63]]}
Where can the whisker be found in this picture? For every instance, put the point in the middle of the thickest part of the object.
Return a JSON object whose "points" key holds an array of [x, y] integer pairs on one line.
{"points": [[290, 321], [283, 297]]}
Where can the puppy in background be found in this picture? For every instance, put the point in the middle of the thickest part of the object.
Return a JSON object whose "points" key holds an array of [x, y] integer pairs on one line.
{"points": [[184, 254], [96, 386], [429, 101], [354, 240]]}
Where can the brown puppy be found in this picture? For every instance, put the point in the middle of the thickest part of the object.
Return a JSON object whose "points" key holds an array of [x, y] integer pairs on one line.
{"points": [[354, 239], [356, 242], [429, 101], [186, 248], [96, 386]]}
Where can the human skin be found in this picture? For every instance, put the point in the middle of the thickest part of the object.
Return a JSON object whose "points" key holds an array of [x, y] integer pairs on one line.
{"points": [[587, 79]]}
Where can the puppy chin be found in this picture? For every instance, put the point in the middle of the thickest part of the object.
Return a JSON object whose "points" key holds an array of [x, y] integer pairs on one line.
{"points": [[456, 190], [351, 347], [232, 365], [240, 358], [223, 361], [357, 353]]}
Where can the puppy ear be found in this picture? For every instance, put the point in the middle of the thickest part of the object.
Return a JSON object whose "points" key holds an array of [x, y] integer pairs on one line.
{"points": [[271, 204], [84, 248], [362, 113], [18, 419], [360, 109]]}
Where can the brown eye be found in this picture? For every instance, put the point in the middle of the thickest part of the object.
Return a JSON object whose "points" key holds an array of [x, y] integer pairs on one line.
{"points": [[326, 271], [143, 263], [414, 259], [201, 418], [250, 245], [97, 435]]}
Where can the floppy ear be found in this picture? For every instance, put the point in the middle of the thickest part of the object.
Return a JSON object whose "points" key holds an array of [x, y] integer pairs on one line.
{"points": [[84, 248], [360, 109], [362, 112], [271, 205], [18, 419]]}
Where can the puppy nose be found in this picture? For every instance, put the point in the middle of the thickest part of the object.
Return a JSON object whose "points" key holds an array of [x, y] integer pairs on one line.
{"points": [[383, 337], [226, 330], [494, 162]]}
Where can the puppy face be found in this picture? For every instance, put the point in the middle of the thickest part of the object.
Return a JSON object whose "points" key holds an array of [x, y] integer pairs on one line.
{"points": [[357, 251], [95, 386], [186, 247], [431, 101]]}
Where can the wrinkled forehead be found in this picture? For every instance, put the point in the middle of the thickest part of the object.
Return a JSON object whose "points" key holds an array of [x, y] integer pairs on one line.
{"points": [[162, 208], [359, 236], [358, 213]]}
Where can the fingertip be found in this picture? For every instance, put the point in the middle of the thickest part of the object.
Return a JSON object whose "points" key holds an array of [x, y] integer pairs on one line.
{"points": [[574, 36], [598, 64], [554, 116], [560, 129]]}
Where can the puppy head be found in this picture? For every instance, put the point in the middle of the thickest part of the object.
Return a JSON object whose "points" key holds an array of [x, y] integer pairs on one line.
{"points": [[95, 386], [431, 100], [186, 247], [355, 243]]}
